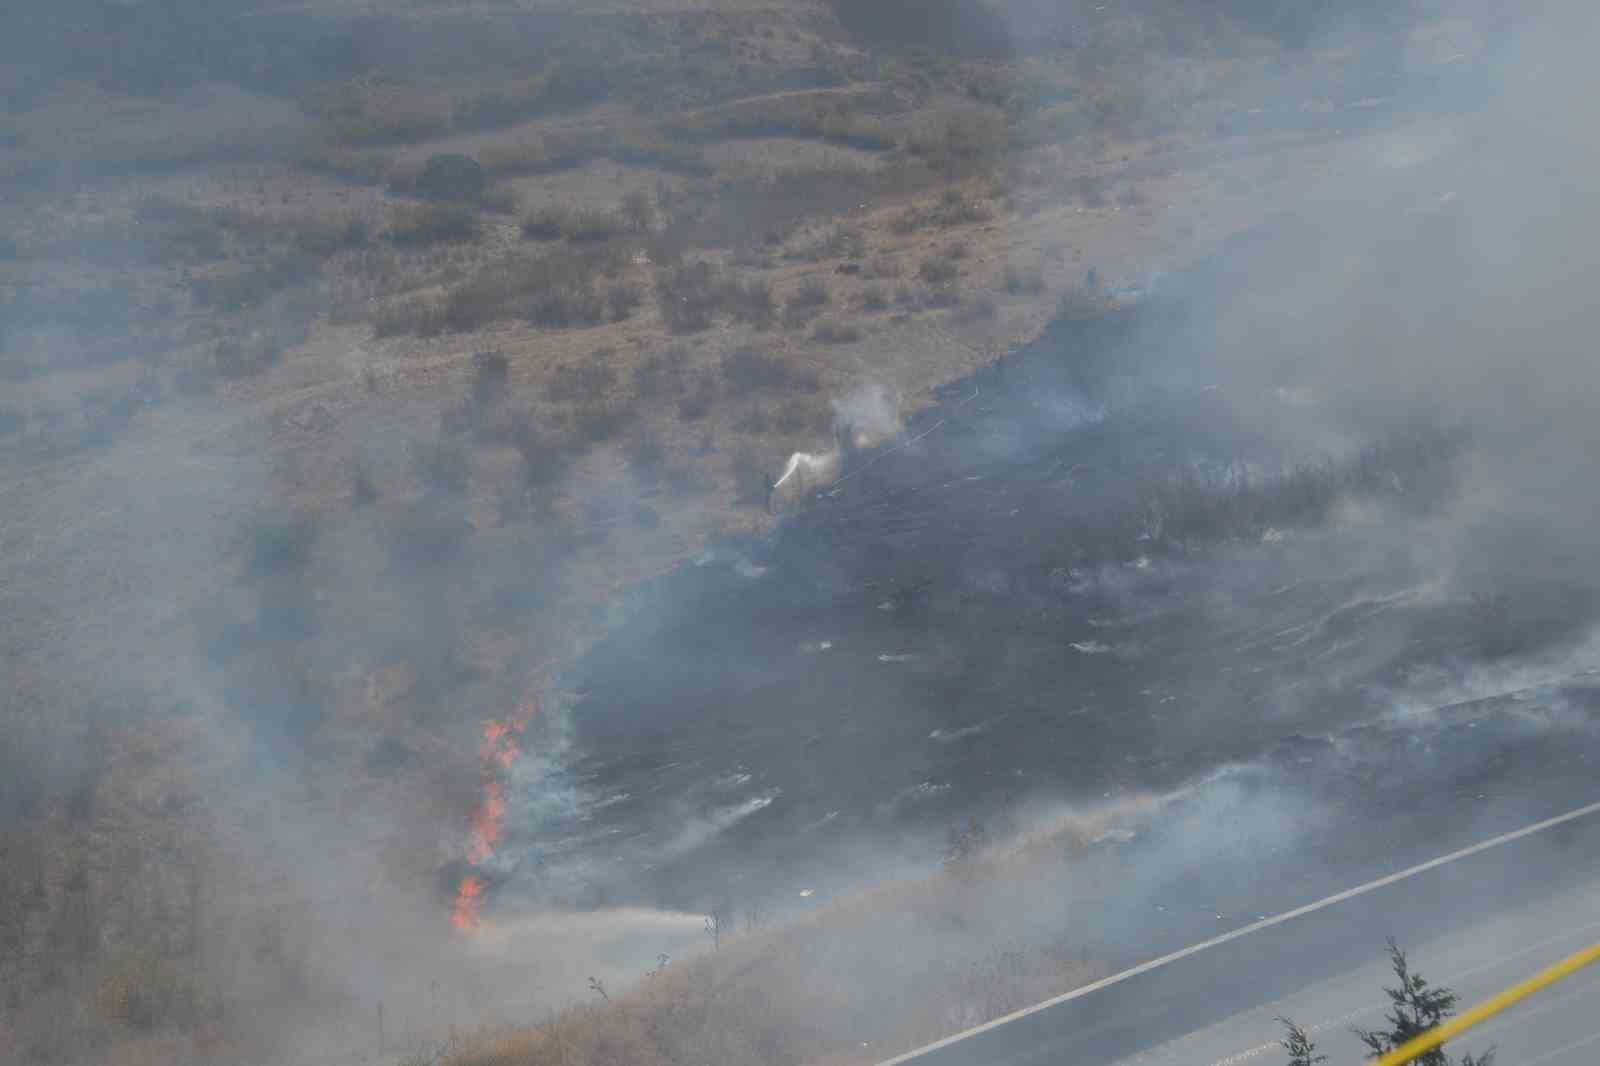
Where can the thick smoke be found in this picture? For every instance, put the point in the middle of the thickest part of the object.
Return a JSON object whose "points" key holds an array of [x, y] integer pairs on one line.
{"points": [[1064, 658]]}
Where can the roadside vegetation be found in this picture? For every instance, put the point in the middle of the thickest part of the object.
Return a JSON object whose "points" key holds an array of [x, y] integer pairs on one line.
{"points": [[1415, 1007]]}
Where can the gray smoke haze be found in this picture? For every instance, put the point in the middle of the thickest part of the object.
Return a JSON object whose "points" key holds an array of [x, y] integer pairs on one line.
{"points": [[1433, 274]]}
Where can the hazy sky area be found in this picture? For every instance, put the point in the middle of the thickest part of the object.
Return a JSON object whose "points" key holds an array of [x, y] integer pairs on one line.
{"points": [[915, 482]]}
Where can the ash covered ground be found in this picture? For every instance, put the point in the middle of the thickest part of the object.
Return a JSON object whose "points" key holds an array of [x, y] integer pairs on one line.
{"points": [[1113, 565]]}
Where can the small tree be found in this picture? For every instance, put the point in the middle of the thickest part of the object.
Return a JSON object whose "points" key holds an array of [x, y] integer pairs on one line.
{"points": [[1302, 1052], [1414, 1008]]}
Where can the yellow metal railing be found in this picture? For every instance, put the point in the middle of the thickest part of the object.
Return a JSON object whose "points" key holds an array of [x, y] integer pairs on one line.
{"points": [[1425, 1043]]}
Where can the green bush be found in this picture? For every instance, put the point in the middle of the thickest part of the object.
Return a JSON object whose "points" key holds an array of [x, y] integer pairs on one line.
{"points": [[451, 176], [423, 225]]}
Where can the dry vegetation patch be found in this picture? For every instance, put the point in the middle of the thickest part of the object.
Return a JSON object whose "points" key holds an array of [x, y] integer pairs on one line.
{"points": [[859, 982]]}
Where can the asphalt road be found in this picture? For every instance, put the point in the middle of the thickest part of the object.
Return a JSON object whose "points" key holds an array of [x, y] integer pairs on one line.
{"points": [[1477, 924]]}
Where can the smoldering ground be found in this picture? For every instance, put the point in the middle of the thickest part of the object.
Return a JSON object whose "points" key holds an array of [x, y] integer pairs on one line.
{"points": [[1389, 385]]}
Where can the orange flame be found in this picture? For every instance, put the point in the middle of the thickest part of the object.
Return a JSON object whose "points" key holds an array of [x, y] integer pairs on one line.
{"points": [[469, 901], [500, 751], [488, 823]]}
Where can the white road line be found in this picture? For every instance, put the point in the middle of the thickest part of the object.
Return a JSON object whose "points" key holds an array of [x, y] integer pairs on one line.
{"points": [[1254, 927], [1449, 979], [1548, 1055]]}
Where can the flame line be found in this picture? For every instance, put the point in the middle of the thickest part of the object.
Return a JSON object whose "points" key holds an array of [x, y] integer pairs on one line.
{"points": [[498, 752]]}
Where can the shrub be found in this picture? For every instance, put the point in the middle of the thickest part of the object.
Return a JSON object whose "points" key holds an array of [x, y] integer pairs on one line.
{"points": [[661, 371], [591, 225], [687, 296], [843, 242], [144, 992], [623, 300], [442, 466], [938, 271], [1081, 302], [638, 211], [546, 224], [576, 303], [1019, 280], [420, 317], [329, 235], [422, 536], [873, 300], [585, 383], [747, 371], [451, 176], [812, 294], [752, 482], [360, 168], [795, 417], [834, 332], [242, 356], [543, 460], [982, 309], [250, 288], [955, 142], [169, 231], [749, 302], [357, 119], [423, 225], [954, 208], [564, 89], [555, 290], [500, 199], [599, 420], [490, 380], [696, 402], [780, 117], [363, 486]]}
